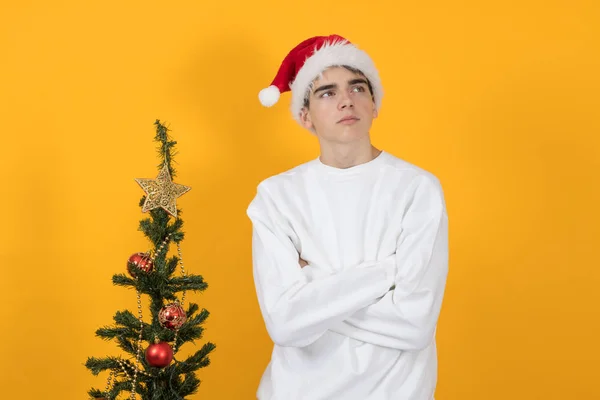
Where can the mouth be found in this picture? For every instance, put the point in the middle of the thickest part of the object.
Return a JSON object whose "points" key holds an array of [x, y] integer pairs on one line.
{"points": [[348, 120]]}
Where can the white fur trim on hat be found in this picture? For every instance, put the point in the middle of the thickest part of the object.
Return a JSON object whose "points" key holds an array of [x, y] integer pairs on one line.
{"points": [[338, 53]]}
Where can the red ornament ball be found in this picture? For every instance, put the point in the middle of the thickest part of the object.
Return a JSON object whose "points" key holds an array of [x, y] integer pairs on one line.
{"points": [[141, 260], [172, 316], [159, 354]]}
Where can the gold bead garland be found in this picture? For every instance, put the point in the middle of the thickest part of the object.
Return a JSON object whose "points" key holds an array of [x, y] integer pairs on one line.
{"points": [[122, 364], [139, 346], [162, 245], [109, 385], [127, 363], [182, 296]]}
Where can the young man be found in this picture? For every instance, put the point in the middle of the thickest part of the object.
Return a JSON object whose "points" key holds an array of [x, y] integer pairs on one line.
{"points": [[350, 250]]}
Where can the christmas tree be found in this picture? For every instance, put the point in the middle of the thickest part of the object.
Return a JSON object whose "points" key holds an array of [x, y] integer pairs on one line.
{"points": [[152, 369]]}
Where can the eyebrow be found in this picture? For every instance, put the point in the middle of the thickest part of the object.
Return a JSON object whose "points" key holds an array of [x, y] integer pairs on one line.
{"points": [[333, 86], [324, 87], [356, 81]]}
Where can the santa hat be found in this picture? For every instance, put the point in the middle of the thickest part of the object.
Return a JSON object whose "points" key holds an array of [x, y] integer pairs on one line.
{"points": [[307, 60]]}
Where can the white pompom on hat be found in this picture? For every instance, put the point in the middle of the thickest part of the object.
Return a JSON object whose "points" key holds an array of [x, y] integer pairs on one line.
{"points": [[307, 60]]}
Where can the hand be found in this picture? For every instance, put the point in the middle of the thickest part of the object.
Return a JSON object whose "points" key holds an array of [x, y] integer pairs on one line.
{"points": [[302, 263]]}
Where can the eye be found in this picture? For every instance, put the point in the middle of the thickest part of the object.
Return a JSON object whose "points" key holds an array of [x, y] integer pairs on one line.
{"points": [[358, 89], [328, 93]]}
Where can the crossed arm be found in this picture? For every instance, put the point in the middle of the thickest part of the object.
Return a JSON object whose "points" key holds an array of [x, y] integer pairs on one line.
{"points": [[356, 302]]}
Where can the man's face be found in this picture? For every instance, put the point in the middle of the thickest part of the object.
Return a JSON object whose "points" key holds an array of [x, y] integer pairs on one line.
{"points": [[341, 108]]}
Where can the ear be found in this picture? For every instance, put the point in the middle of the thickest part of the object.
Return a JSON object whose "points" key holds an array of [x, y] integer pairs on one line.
{"points": [[305, 118], [375, 113]]}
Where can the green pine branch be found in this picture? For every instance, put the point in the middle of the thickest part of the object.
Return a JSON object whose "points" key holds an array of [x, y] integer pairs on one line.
{"points": [[199, 359], [97, 365], [127, 319], [120, 386], [165, 150]]}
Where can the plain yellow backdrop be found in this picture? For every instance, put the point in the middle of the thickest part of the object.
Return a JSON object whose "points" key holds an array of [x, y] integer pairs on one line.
{"points": [[498, 99]]}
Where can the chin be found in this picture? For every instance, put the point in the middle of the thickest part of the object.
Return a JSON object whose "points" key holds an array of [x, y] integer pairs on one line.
{"points": [[345, 137], [344, 134], [353, 133]]}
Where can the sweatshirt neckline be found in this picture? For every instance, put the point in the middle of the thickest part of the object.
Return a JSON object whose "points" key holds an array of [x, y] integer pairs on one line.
{"points": [[355, 169]]}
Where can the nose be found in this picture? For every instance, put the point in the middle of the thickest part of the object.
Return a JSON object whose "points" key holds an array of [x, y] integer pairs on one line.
{"points": [[345, 101]]}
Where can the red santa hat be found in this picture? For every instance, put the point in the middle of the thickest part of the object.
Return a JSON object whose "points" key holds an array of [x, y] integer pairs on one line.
{"points": [[307, 60]]}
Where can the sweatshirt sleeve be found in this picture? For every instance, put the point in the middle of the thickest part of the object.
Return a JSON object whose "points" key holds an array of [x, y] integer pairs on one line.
{"points": [[406, 317], [297, 311]]}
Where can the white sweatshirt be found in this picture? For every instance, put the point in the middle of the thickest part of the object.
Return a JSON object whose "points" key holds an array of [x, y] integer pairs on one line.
{"points": [[359, 322]]}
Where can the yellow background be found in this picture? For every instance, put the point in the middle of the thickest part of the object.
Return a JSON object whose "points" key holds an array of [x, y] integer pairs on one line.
{"points": [[499, 100]]}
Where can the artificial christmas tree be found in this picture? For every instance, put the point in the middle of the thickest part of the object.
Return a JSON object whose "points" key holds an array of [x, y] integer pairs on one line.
{"points": [[152, 370]]}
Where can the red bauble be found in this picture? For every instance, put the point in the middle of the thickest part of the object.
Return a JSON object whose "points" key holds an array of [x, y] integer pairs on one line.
{"points": [[172, 316], [141, 260], [159, 354]]}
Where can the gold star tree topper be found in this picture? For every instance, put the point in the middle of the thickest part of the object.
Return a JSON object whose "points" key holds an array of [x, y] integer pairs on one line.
{"points": [[162, 192]]}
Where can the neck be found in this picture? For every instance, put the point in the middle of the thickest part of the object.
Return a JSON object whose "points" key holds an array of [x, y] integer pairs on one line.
{"points": [[346, 155]]}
